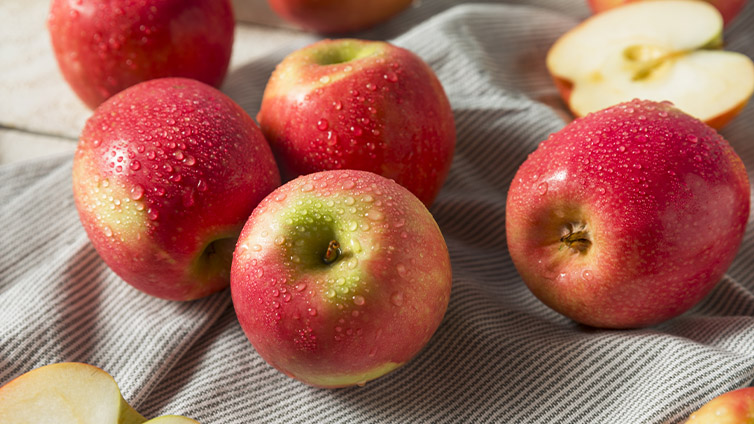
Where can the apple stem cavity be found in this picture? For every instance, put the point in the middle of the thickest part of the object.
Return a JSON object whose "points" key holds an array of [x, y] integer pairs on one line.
{"points": [[332, 253], [576, 238]]}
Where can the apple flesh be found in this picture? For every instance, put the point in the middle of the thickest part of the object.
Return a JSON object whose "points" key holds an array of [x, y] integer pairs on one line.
{"points": [[340, 277], [354, 104], [654, 50], [337, 16], [70, 393], [627, 217], [734, 407], [164, 177], [729, 9], [105, 47]]}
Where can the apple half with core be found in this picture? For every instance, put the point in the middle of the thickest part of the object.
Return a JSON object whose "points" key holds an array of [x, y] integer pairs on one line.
{"points": [[165, 175], [654, 50], [70, 393], [103, 47], [729, 9], [337, 16], [340, 277], [367, 105], [734, 407], [627, 217]]}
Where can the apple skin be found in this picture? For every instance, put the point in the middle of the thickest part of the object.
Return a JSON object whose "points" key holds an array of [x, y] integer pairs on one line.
{"points": [[734, 407], [337, 16], [105, 47], [663, 199], [359, 317], [729, 9], [354, 104], [165, 175]]}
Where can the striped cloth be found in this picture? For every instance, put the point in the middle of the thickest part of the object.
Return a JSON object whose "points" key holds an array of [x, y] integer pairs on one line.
{"points": [[499, 356]]}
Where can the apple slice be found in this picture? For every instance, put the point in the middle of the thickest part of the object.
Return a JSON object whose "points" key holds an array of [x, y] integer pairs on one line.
{"points": [[70, 393], [656, 50]]}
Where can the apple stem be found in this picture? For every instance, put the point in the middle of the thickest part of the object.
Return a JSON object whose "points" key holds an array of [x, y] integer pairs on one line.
{"points": [[577, 240], [332, 253]]}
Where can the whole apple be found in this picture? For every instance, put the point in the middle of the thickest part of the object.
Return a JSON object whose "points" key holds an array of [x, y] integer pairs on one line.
{"points": [[337, 16], [729, 9], [340, 277], [734, 407], [102, 47], [627, 217], [165, 175], [353, 104]]}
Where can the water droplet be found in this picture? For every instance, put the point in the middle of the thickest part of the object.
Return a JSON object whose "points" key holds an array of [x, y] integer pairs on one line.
{"points": [[352, 226], [359, 300], [542, 188], [201, 186], [108, 232], [391, 76], [692, 138], [587, 275], [307, 187], [371, 86], [153, 214], [338, 105], [188, 198], [621, 148], [313, 312], [368, 198], [330, 293], [279, 240], [698, 158], [401, 270], [300, 287], [137, 192], [353, 263], [280, 197], [396, 299], [135, 165], [375, 215], [190, 160], [325, 79], [322, 124]]}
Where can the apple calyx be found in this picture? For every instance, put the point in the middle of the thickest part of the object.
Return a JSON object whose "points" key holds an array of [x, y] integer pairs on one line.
{"points": [[332, 253], [576, 237]]}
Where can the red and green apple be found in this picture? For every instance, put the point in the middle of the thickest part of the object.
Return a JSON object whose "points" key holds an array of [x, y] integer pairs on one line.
{"points": [[654, 50], [729, 9], [734, 407], [165, 175], [71, 393], [628, 216], [103, 47], [367, 105], [340, 277], [337, 16]]}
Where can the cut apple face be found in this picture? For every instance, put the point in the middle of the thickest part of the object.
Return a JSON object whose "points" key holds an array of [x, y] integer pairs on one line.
{"points": [[70, 393], [656, 50]]}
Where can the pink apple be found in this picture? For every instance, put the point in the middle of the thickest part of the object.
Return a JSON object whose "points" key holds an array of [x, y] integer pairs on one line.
{"points": [[734, 407], [165, 175], [103, 47], [353, 104], [654, 50], [340, 277], [627, 217], [337, 16], [729, 9]]}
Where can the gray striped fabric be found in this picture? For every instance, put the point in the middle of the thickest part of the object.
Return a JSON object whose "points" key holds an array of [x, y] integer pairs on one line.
{"points": [[499, 356]]}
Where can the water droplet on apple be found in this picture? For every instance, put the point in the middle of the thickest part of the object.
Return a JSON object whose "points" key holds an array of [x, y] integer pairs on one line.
{"points": [[325, 79], [362, 383], [356, 246], [692, 138], [307, 187], [352, 226], [338, 105], [280, 197], [371, 86], [359, 300], [368, 198], [391, 76], [397, 299], [190, 160], [322, 124], [279, 240], [353, 263], [401, 270], [108, 231], [153, 214], [375, 215], [137, 192], [330, 293], [313, 312], [621, 148], [349, 201], [542, 188], [188, 198], [587, 275], [275, 292], [299, 287], [201, 186], [698, 158]]}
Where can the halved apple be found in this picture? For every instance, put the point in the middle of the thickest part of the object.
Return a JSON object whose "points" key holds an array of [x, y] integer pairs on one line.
{"points": [[70, 393], [655, 50]]}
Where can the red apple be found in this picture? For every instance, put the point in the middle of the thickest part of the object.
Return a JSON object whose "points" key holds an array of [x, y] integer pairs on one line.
{"points": [[353, 104], [337, 16], [103, 47], [729, 9], [734, 407], [340, 277], [627, 217], [654, 50], [165, 175]]}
